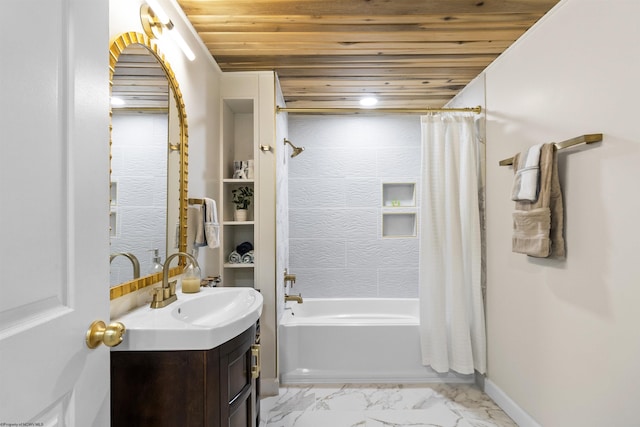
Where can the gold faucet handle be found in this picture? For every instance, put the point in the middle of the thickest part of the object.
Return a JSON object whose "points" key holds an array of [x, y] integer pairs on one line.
{"points": [[289, 278], [172, 288], [158, 294]]}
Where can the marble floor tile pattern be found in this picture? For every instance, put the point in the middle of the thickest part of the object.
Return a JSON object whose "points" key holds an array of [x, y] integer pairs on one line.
{"points": [[431, 405]]}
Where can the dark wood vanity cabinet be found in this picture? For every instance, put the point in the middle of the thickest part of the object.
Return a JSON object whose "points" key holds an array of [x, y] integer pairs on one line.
{"points": [[212, 388]]}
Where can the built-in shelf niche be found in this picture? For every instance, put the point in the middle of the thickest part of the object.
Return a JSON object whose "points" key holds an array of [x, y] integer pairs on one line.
{"points": [[113, 223], [398, 224], [238, 144], [399, 209], [398, 194]]}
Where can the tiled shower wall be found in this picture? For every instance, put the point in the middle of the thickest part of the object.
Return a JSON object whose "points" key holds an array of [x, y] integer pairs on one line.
{"points": [[139, 165], [335, 205]]}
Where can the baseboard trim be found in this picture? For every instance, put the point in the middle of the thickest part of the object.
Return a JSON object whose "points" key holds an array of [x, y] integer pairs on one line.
{"points": [[512, 409], [269, 387]]}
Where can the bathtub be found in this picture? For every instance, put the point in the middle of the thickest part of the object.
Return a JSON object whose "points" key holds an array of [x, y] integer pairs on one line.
{"points": [[368, 340]]}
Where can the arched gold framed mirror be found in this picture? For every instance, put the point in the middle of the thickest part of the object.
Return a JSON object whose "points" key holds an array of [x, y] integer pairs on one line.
{"points": [[139, 73]]}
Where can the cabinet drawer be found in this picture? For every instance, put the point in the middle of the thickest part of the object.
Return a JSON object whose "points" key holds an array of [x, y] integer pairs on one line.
{"points": [[241, 417], [239, 376]]}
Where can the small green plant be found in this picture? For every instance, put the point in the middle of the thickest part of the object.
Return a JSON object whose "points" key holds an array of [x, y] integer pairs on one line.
{"points": [[242, 197]]}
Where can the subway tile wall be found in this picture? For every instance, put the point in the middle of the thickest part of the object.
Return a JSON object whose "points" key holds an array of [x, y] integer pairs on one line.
{"points": [[335, 205]]}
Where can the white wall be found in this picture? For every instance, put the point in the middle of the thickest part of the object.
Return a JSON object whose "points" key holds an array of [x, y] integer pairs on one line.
{"points": [[199, 83], [335, 205], [563, 335]]}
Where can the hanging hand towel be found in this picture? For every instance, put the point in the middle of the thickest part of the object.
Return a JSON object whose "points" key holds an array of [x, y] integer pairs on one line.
{"points": [[538, 226], [527, 177], [211, 225], [200, 239]]}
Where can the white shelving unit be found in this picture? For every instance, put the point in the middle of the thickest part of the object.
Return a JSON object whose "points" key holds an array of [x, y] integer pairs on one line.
{"points": [[237, 144]]}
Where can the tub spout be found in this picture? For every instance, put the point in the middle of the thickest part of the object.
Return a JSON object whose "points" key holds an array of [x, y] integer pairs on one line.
{"points": [[296, 298]]}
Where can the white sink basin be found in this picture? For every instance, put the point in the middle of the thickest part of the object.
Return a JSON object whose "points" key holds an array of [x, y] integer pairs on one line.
{"points": [[199, 321]]}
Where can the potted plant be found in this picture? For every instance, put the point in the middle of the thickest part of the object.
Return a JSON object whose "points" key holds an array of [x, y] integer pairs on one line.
{"points": [[242, 199]]}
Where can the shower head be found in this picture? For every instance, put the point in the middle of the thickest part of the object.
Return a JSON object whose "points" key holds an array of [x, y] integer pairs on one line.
{"points": [[296, 150]]}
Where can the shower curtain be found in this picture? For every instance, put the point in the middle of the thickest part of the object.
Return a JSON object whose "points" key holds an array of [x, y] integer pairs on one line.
{"points": [[452, 329]]}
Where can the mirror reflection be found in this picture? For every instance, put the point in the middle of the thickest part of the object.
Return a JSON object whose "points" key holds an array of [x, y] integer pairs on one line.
{"points": [[145, 166]]}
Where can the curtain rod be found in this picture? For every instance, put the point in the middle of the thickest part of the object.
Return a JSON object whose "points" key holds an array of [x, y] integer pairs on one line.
{"points": [[294, 110], [583, 139]]}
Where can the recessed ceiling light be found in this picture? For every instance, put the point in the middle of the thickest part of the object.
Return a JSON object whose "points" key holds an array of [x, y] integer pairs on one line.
{"points": [[369, 101]]}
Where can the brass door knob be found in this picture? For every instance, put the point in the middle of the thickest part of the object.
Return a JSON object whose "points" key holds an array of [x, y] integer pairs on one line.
{"points": [[99, 333]]}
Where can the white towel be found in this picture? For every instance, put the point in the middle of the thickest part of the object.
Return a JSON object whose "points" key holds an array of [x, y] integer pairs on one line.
{"points": [[207, 226], [211, 225], [527, 177]]}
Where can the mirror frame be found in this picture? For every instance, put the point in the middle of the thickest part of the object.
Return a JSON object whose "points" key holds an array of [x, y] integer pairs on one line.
{"points": [[116, 48]]}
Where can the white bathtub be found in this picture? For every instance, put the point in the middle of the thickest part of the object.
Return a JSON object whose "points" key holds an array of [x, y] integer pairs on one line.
{"points": [[367, 340]]}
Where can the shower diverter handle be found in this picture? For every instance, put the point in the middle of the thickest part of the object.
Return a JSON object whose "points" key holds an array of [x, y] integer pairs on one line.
{"points": [[289, 278]]}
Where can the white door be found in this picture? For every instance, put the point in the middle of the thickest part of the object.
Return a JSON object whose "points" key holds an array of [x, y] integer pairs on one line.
{"points": [[54, 240]]}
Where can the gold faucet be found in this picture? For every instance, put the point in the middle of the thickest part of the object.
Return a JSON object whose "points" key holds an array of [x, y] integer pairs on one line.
{"points": [[131, 257], [166, 294], [296, 298]]}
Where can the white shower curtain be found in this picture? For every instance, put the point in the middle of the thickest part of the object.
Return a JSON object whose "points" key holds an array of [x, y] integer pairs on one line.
{"points": [[452, 328]]}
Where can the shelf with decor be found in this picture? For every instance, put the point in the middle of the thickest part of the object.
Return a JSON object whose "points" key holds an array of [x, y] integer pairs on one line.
{"points": [[238, 189], [398, 194]]}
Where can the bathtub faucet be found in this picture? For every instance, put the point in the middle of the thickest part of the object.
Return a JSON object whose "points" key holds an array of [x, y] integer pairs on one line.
{"points": [[296, 298]]}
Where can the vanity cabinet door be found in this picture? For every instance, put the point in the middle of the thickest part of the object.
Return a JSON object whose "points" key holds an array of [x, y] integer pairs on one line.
{"points": [[157, 388], [237, 387]]}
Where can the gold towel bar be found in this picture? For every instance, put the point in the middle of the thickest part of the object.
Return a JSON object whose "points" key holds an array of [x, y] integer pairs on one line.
{"points": [[584, 139], [196, 201]]}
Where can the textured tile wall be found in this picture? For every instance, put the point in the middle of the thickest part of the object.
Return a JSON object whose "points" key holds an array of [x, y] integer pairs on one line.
{"points": [[335, 205], [139, 166]]}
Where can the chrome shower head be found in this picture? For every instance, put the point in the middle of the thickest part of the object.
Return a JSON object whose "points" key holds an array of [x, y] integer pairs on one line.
{"points": [[296, 150]]}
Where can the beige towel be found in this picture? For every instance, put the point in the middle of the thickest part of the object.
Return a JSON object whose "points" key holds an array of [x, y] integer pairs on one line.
{"points": [[538, 226], [527, 175]]}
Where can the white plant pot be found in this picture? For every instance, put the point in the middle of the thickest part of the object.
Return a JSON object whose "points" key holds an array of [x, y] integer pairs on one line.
{"points": [[240, 215]]}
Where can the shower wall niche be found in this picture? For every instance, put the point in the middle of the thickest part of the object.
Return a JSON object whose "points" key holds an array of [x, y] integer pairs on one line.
{"points": [[399, 209]]}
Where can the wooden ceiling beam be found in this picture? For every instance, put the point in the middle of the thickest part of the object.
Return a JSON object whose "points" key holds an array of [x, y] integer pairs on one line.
{"points": [[252, 22], [304, 61], [362, 36], [379, 72], [369, 48], [362, 7]]}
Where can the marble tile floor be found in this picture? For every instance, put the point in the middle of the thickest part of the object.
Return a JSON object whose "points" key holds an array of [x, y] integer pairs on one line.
{"points": [[387, 405]]}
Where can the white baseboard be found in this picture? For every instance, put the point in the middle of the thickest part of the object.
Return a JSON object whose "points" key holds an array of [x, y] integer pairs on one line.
{"points": [[269, 387], [512, 409]]}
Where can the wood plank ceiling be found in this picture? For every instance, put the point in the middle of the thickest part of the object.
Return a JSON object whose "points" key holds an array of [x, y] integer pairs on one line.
{"points": [[331, 53]]}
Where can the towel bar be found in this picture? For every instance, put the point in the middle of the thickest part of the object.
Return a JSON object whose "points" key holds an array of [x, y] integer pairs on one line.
{"points": [[584, 139], [196, 201]]}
